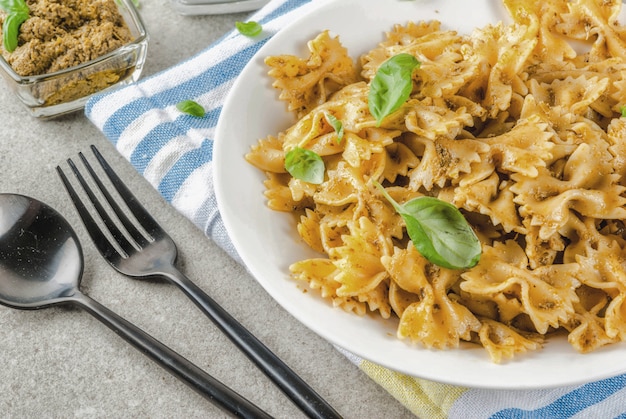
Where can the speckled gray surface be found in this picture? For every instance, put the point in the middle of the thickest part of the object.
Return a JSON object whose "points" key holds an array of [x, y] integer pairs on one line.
{"points": [[63, 363]]}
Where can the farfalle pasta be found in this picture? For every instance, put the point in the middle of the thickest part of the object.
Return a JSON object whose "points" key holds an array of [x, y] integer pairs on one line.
{"points": [[519, 125]]}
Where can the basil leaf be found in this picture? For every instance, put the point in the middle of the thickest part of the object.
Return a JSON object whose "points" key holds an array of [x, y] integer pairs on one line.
{"points": [[10, 29], [622, 111], [336, 124], [11, 6], [17, 12], [250, 28], [305, 165], [439, 231], [190, 107], [392, 85]]}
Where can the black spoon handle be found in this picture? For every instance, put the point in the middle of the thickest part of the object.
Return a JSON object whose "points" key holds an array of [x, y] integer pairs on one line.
{"points": [[209, 387]]}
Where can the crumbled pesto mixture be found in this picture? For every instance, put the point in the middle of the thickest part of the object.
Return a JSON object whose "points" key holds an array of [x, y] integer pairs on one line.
{"points": [[63, 33]]}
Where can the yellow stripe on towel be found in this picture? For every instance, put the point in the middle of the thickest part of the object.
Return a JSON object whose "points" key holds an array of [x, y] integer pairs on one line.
{"points": [[425, 399]]}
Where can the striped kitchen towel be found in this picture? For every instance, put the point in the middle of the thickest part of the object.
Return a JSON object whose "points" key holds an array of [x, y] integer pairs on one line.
{"points": [[174, 152]]}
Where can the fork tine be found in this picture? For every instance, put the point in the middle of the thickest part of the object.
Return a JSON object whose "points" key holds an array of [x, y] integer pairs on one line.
{"points": [[97, 236], [118, 236], [141, 214], [139, 238]]}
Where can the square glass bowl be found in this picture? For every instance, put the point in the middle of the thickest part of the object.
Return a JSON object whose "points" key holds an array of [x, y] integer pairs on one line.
{"points": [[65, 91]]}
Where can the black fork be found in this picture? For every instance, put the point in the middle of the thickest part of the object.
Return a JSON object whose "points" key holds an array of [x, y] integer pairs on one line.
{"points": [[152, 253]]}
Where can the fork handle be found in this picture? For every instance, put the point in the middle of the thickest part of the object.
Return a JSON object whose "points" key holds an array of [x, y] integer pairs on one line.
{"points": [[209, 387], [311, 403]]}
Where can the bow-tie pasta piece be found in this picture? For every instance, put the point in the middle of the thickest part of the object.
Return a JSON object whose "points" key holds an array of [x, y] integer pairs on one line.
{"points": [[503, 342], [305, 84], [442, 160], [545, 295], [492, 198]]}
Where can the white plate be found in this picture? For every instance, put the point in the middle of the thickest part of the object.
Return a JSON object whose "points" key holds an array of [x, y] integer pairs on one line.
{"points": [[267, 240]]}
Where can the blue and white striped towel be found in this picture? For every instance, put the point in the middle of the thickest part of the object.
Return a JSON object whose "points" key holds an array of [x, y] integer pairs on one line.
{"points": [[174, 153]]}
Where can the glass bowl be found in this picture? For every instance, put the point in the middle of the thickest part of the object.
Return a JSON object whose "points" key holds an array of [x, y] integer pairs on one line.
{"points": [[64, 91]]}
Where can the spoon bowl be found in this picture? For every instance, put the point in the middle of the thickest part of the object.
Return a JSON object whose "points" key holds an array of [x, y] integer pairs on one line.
{"points": [[41, 261], [41, 264]]}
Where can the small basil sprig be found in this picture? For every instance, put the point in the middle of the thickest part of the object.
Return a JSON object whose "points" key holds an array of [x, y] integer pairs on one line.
{"points": [[250, 28], [438, 231], [336, 124], [17, 13], [305, 165], [191, 108], [392, 85]]}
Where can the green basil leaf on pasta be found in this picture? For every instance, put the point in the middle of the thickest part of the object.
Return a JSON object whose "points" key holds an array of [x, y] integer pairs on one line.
{"points": [[336, 124], [305, 165], [392, 85], [439, 231]]}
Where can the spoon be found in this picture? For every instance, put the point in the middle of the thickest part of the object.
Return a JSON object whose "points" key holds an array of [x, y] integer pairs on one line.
{"points": [[41, 264]]}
